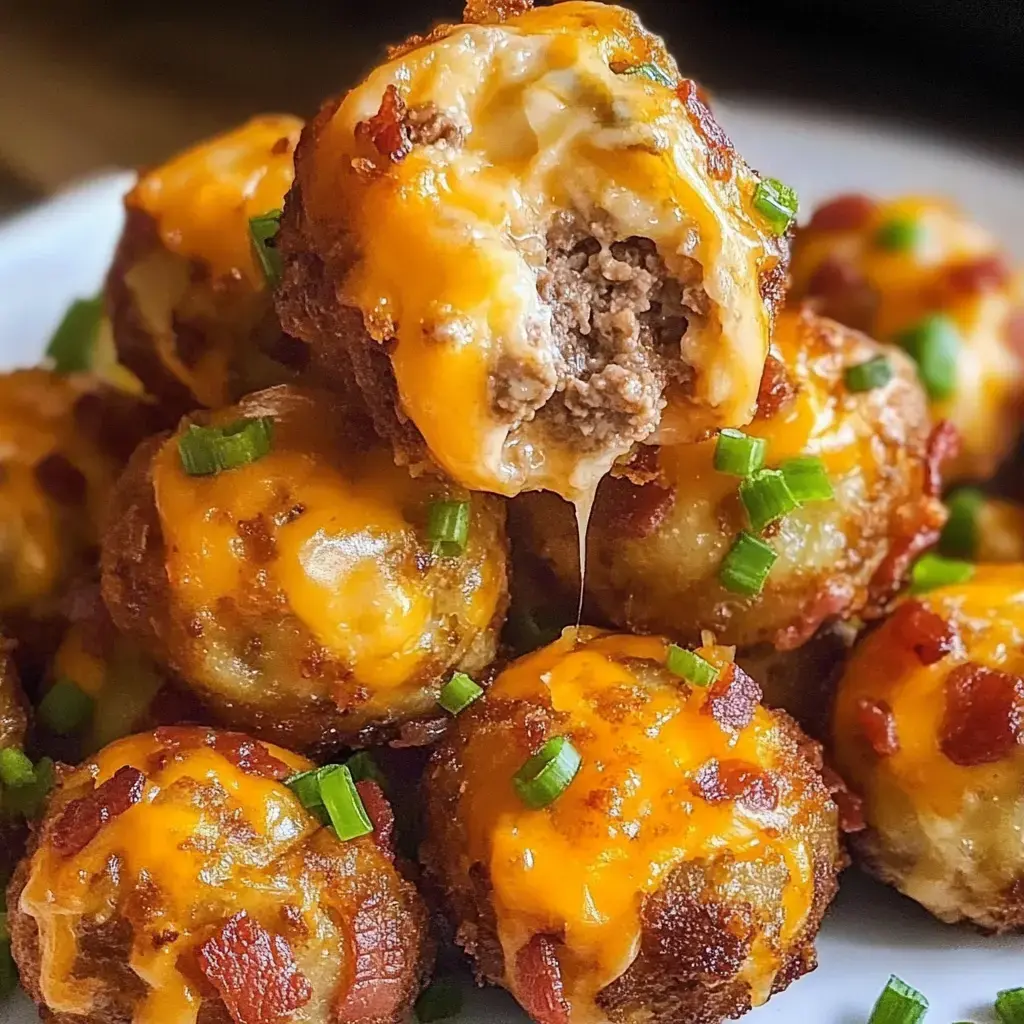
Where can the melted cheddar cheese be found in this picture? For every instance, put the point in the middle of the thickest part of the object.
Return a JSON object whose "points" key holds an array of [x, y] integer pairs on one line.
{"points": [[451, 238], [582, 867]]}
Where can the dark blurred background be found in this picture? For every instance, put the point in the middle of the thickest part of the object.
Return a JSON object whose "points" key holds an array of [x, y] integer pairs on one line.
{"points": [[86, 86]]}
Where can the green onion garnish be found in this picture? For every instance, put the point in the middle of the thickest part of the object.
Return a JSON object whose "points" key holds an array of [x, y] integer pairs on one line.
{"points": [[458, 693], [306, 786], [777, 203], [747, 565], [931, 571], [807, 479], [739, 454], [651, 71], [899, 234], [960, 534], [866, 376], [28, 799], [206, 451], [344, 806], [73, 344], [899, 1004], [363, 768], [934, 344], [766, 497], [689, 666], [448, 527], [66, 708], [16, 768], [263, 232], [1010, 1006], [441, 1000], [546, 775]]}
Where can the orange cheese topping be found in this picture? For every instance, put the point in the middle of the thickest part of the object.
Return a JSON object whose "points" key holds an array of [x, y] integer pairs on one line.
{"points": [[581, 867], [451, 238]]}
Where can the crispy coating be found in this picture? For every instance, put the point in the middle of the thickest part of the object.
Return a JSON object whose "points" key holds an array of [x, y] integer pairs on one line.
{"points": [[886, 267], [300, 596], [176, 869], [680, 876], [655, 550], [592, 272], [189, 302], [927, 730]]}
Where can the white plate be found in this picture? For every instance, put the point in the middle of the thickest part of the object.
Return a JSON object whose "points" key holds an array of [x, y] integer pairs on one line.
{"points": [[60, 250]]}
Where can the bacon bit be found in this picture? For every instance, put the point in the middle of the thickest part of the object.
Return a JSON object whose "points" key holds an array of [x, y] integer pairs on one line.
{"points": [[250, 756], [849, 805], [878, 726], [916, 529], [60, 480], [633, 511], [844, 213], [733, 699], [386, 131], [490, 12], [775, 390], [254, 972], [943, 445], [928, 635], [983, 717], [379, 811], [538, 982], [83, 818], [745, 783], [832, 600], [984, 274], [721, 152]]}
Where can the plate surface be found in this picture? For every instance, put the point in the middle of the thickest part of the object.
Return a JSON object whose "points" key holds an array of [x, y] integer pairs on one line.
{"points": [[59, 251]]}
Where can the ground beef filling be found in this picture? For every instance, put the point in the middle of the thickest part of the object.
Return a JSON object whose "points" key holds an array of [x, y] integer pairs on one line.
{"points": [[614, 344]]}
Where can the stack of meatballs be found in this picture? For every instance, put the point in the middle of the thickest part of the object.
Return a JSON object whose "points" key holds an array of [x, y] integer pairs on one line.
{"points": [[464, 525]]}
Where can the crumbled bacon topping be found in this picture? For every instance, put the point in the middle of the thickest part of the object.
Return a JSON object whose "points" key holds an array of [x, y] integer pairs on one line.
{"points": [[927, 634], [849, 805], [635, 511], [844, 213], [721, 153], [83, 819], [253, 971], [245, 753], [878, 726], [834, 598], [745, 783], [379, 811], [387, 131], [538, 982], [943, 445], [984, 714], [915, 529], [984, 274], [776, 389], [733, 699]]}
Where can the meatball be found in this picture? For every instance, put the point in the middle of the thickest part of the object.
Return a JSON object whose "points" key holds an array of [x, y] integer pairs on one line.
{"points": [[594, 270], [656, 549], [175, 878], [680, 875], [928, 731], [918, 272], [188, 299], [303, 595]]}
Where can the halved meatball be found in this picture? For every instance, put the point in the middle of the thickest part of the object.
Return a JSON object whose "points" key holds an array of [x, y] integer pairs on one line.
{"points": [[680, 874], [535, 259], [929, 730], [655, 550], [175, 875], [920, 273], [303, 595], [187, 296]]}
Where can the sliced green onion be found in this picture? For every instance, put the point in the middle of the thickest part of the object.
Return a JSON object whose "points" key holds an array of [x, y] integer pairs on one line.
{"points": [[344, 806], [73, 344], [866, 376], [747, 565], [960, 534], [441, 1000], [546, 775], [448, 527], [807, 479], [206, 451], [739, 454], [931, 571], [899, 1004], [934, 344], [306, 786], [263, 232], [1010, 1006], [28, 800], [651, 71], [458, 693], [689, 666], [777, 203], [766, 497], [66, 708], [363, 768], [899, 234], [16, 768]]}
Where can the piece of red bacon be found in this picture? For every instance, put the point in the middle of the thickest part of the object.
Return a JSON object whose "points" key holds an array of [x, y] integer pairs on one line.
{"points": [[538, 981], [82, 819], [984, 714]]}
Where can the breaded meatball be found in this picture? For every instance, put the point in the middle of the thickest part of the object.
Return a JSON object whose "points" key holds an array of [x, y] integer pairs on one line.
{"points": [[656, 550], [680, 875], [176, 878], [919, 273], [303, 595], [537, 258], [188, 298], [929, 730]]}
